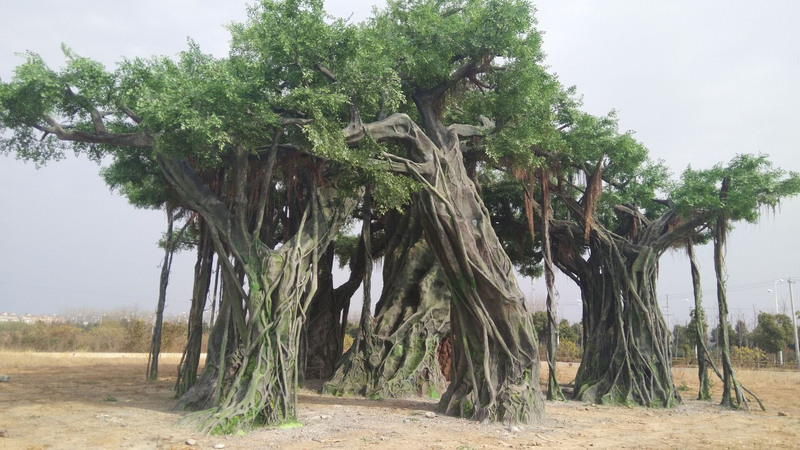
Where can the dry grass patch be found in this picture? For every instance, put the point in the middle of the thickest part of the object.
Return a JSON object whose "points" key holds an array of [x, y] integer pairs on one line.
{"points": [[103, 401]]}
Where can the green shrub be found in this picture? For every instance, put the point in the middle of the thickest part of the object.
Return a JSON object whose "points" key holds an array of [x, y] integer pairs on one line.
{"points": [[748, 357], [568, 351]]}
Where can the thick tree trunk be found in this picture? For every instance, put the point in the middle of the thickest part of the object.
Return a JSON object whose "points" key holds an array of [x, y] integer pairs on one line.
{"points": [[412, 317], [265, 365], [626, 356], [190, 363], [327, 317], [495, 355], [703, 392], [166, 265]]}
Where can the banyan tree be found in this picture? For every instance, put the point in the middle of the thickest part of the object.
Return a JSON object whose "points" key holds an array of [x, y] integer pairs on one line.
{"points": [[311, 124], [271, 145]]}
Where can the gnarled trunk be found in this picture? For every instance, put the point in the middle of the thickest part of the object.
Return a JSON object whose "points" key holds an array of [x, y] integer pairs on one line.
{"points": [[626, 357], [412, 316], [495, 355], [223, 338], [264, 366]]}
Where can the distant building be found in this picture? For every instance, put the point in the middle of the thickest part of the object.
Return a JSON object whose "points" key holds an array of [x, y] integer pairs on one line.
{"points": [[29, 319], [8, 317]]}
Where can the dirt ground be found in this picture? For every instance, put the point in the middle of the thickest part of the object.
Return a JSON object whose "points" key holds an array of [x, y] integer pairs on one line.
{"points": [[102, 401]]}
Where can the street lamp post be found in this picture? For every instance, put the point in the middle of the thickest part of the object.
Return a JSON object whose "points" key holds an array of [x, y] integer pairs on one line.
{"points": [[775, 291], [794, 326]]}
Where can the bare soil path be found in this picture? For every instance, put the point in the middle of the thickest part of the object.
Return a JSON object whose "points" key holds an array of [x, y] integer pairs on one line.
{"points": [[78, 400]]}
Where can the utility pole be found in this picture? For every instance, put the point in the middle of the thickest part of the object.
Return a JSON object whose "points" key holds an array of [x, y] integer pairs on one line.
{"points": [[794, 326]]}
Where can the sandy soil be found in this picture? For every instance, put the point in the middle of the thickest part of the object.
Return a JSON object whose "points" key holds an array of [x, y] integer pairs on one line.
{"points": [[102, 401]]}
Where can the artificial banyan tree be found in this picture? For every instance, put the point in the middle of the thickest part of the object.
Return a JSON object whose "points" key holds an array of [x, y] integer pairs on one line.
{"points": [[309, 125], [268, 147], [398, 355]]}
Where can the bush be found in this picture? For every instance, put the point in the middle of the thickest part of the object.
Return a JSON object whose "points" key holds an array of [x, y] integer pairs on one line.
{"points": [[568, 351], [104, 337], [137, 337], [108, 336], [173, 337], [748, 357]]}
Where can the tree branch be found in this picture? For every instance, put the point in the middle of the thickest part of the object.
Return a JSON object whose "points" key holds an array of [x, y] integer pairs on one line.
{"points": [[138, 140], [180, 174], [327, 72], [133, 116], [466, 131]]}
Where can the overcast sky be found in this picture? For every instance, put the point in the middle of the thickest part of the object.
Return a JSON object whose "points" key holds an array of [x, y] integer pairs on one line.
{"points": [[699, 82]]}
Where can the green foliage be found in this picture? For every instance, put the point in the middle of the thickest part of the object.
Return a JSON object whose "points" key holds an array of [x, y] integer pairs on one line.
{"points": [[136, 175], [748, 357], [433, 38], [691, 335], [569, 351], [773, 332], [540, 325], [296, 76], [345, 247], [180, 242], [716, 333], [637, 180], [742, 336], [752, 183], [566, 332]]}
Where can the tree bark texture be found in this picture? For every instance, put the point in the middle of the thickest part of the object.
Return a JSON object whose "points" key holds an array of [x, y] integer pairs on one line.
{"points": [[495, 353], [412, 316], [265, 365], [221, 340], [626, 357], [495, 356], [323, 329]]}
